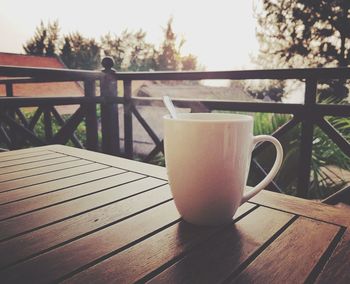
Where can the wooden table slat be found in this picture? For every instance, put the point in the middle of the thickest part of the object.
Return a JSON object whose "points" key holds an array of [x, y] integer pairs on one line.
{"points": [[44, 238], [14, 155], [338, 265], [45, 267], [81, 166], [51, 198], [19, 171], [42, 217], [34, 173], [78, 216], [50, 173], [35, 158], [304, 207], [281, 260], [130, 165], [218, 258], [93, 172], [144, 258], [21, 152]]}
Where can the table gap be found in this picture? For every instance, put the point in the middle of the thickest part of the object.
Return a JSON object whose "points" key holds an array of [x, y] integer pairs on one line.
{"points": [[21, 187], [4, 158], [96, 261], [308, 217], [45, 193], [106, 164], [48, 170], [87, 211], [28, 160], [36, 165], [168, 264], [250, 259], [53, 191], [325, 257], [94, 231]]}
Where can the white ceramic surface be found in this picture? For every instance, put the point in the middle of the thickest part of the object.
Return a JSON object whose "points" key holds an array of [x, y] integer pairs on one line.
{"points": [[207, 158]]}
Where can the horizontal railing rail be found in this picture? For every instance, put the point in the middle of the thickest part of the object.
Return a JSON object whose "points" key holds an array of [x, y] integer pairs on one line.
{"points": [[278, 74], [15, 127], [52, 73], [42, 101]]}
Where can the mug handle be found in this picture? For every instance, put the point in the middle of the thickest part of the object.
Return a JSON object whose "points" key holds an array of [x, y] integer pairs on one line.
{"points": [[276, 166]]}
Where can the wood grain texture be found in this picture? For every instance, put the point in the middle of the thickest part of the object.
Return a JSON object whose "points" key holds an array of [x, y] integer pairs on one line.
{"points": [[337, 269], [135, 166], [31, 159], [304, 207], [292, 256], [37, 241], [114, 222], [45, 267], [61, 211], [220, 256], [44, 188], [51, 198], [34, 172], [19, 171], [82, 166], [21, 154], [141, 259]]}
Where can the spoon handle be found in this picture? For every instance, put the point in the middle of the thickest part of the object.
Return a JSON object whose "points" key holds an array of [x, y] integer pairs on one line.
{"points": [[170, 106]]}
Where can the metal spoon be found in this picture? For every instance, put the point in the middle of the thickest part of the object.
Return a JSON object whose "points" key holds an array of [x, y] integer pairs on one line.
{"points": [[170, 106]]}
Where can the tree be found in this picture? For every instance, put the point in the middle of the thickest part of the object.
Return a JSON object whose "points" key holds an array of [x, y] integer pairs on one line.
{"points": [[79, 52], [130, 51], [45, 40], [306, 33], [189, 62], [113, 46], [142, 55], [168, 58], [169, 55]]}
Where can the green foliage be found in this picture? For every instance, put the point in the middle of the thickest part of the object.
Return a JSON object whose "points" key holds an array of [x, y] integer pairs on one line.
{"points": [[39, 128], [326, 156], [302, 33]]}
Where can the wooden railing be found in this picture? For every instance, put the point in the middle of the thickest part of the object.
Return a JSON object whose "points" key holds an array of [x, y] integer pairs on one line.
{"points": [[15, 128]]}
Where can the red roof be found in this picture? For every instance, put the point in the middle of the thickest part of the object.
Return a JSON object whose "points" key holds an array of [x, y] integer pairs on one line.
{"points": [[63, 89], [13, 59]]}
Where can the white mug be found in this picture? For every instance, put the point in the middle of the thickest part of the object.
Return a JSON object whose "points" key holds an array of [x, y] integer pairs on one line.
{"points": [[207, 157]]}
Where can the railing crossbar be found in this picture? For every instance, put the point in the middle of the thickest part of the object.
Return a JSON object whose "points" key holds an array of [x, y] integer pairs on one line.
{"points": [[334, 135]]}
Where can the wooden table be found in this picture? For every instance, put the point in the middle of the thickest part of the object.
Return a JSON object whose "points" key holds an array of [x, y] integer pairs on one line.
{"points": [[74, 216]]}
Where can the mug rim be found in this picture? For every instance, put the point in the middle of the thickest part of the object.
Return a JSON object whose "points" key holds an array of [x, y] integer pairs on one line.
{"points": [[208, 117]]}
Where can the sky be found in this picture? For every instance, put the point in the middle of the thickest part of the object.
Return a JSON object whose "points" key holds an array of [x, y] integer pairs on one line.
{"points": [[220, 33]]}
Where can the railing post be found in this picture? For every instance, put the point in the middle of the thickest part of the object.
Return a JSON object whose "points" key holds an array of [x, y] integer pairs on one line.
{"points": [[12, 135], [47, 124], [306, 139], [128, 138], [91, 117], [109, 111]]}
